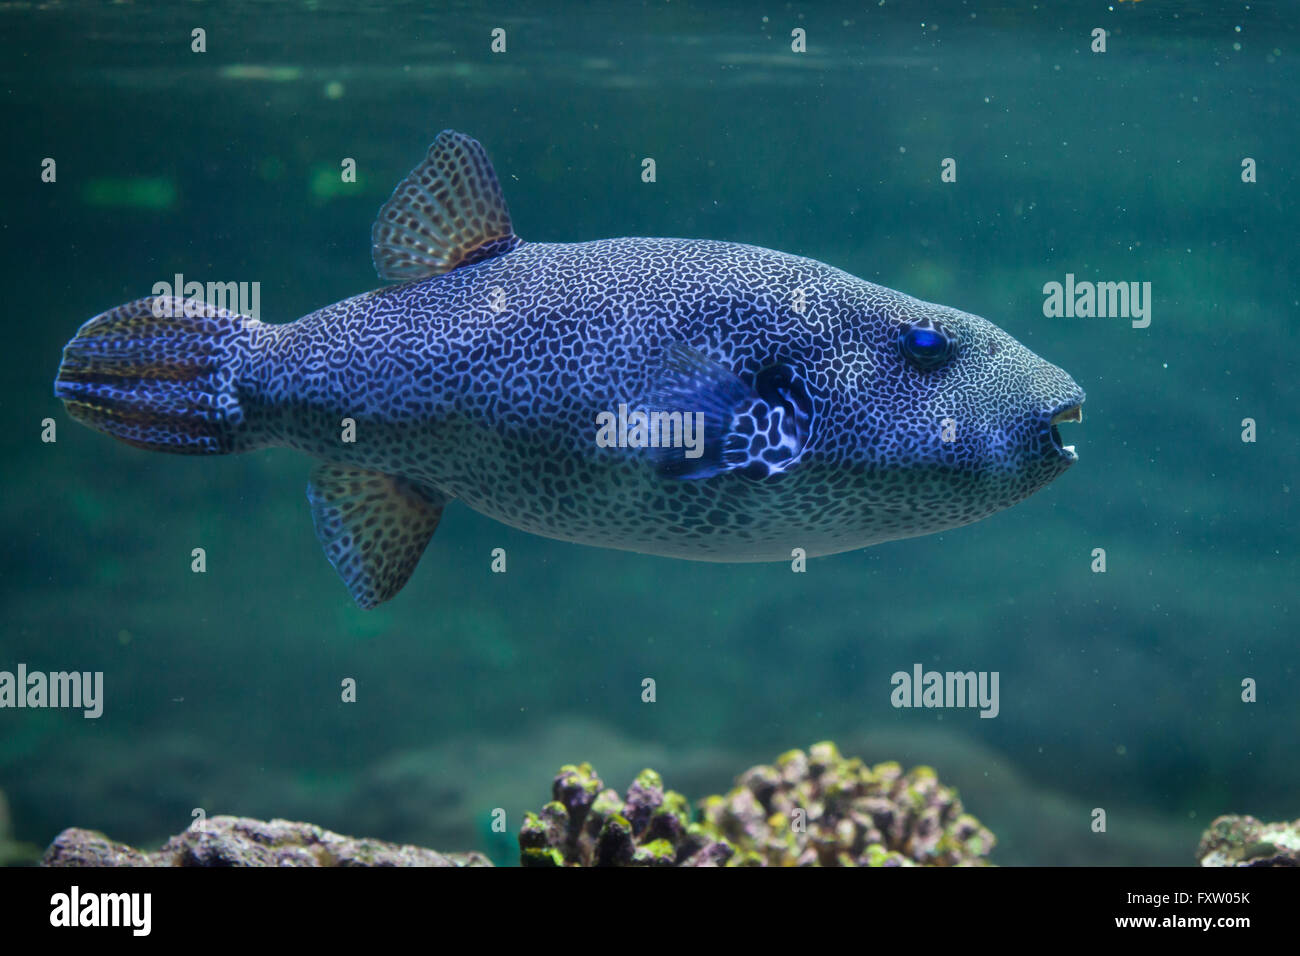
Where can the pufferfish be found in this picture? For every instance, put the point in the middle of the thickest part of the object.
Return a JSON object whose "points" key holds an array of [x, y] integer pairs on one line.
{"points": [[682, 397]]}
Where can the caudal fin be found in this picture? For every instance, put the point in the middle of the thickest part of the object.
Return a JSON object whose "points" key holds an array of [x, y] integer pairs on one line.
{"points": [[159, 373]]}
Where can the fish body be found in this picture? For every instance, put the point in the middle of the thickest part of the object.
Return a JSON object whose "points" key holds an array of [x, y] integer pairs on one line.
{"points": [[688, 398]]}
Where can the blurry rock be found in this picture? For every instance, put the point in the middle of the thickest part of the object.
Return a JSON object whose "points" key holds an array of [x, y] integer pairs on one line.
{"points": [[240, 841], [75, 847], [814, 809], [1245, 841]]}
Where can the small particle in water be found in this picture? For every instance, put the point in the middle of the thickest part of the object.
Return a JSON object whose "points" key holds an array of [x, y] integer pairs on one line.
{"points": [[333, 90]]}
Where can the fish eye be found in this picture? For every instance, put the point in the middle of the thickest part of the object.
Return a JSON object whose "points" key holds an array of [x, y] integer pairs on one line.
{"points": [[926, 348]]}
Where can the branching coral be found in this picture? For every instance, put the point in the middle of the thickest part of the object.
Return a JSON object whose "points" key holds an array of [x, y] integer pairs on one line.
{"points": [[813, 809]]}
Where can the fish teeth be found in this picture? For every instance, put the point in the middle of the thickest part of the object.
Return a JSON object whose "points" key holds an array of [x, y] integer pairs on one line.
{"points": [[1072, 414]]}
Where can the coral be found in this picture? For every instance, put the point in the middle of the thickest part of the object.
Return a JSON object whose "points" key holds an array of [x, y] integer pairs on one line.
{"points": [[588, 825], [814, 809], [819, 809], [240, 841], [1245, 841]]}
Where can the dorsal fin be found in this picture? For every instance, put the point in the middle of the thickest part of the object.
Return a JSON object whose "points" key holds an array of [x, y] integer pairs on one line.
{"points": [[447, 212]]}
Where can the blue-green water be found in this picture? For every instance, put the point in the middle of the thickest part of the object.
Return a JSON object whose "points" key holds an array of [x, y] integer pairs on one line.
{"points": [[1120, 690]]}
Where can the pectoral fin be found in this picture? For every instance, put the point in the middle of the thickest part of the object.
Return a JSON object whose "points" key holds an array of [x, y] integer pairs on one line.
{"points": [[757, 430], [373, 527]]}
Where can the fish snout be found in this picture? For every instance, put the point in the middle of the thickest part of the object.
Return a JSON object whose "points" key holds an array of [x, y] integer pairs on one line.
{"points": [[1060, 401]]}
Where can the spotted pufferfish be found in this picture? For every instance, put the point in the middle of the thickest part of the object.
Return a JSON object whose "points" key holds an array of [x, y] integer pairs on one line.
{"points": [[832, 413]]}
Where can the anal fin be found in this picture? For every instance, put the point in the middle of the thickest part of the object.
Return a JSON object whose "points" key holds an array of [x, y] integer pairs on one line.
{"points": [[373, 527]]}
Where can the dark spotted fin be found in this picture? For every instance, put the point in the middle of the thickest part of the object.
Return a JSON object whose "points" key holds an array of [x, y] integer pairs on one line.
{"points": [[756, 430], [448, 212], [373, 527]]}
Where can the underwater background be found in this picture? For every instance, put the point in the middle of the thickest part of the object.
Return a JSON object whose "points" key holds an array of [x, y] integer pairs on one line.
{"points": [[1120, 690]]}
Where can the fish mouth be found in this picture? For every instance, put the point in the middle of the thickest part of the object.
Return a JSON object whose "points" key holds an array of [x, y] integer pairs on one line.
{"points": [[1070, 412]]}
